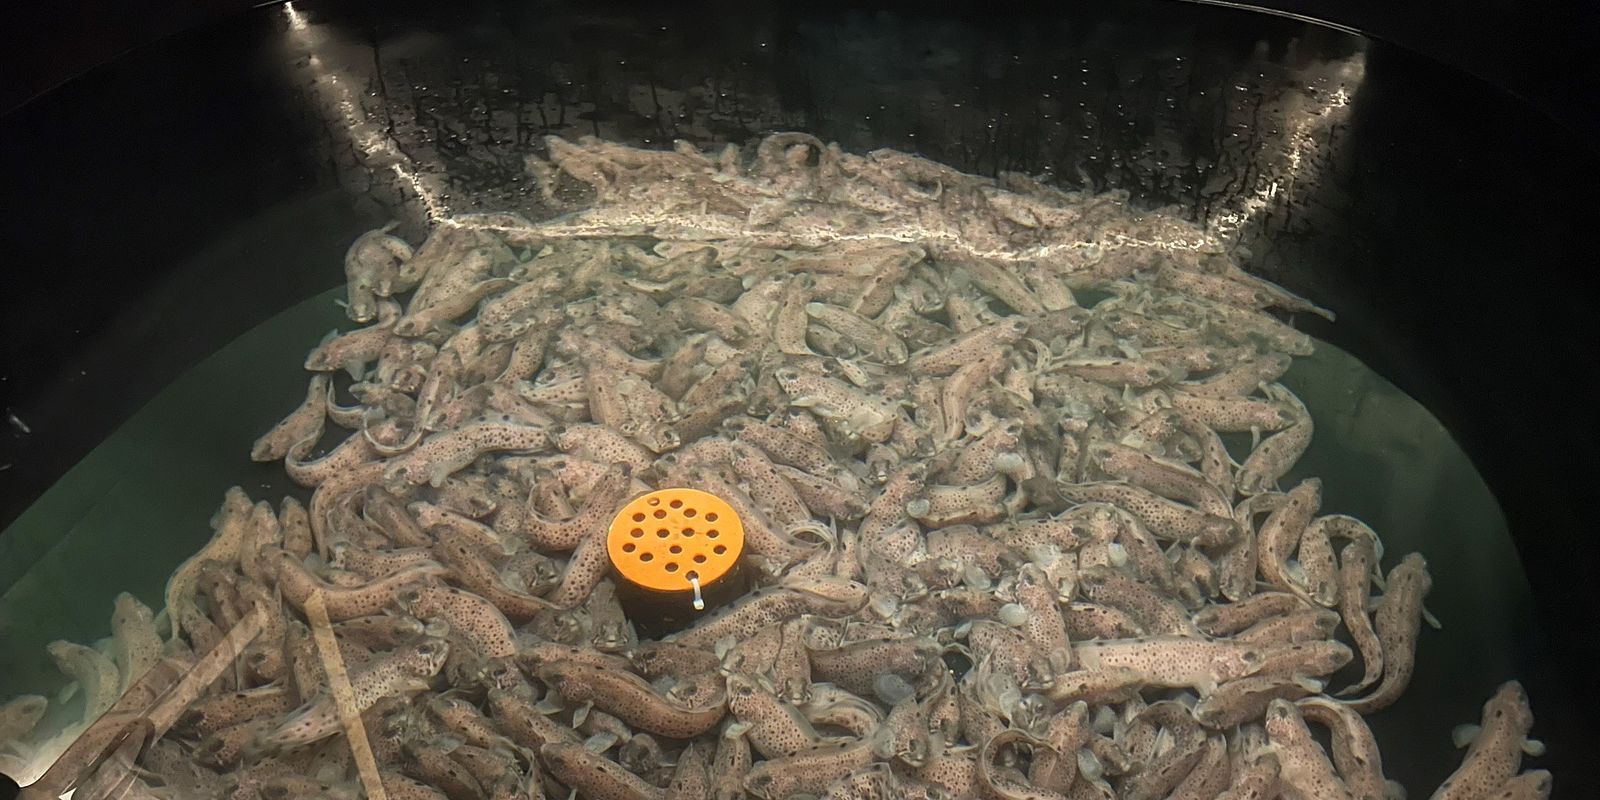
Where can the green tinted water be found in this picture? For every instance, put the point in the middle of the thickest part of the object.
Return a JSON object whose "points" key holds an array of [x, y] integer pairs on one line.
{"points": [[132, 510]]}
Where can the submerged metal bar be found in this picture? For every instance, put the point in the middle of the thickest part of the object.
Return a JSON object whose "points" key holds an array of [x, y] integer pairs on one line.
{"points": [[344, 696], [145, 708]]}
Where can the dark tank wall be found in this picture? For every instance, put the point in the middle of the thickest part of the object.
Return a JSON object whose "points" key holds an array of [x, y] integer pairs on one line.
{"points": [[1539, 54]]}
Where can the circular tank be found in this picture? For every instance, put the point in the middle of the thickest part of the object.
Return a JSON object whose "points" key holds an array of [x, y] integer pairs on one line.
{"points": [[177, 219]]}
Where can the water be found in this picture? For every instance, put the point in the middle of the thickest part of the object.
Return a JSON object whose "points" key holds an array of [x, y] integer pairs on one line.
{"points": [[128, 514]]}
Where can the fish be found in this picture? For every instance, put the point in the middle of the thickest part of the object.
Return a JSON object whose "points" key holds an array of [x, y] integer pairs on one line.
{"points": [[878, 343], [99, 682], [1163, 517], [853, 666], [633, 700], [353, 452], [472, 569], [602, 501], [1233, 414], [763, 607], [1358, 563], [1002, 787], [1259, 779], [791, 665], [1128, 373], [768, 488], [593, 775], [1281, 533], [946, 358], [401, 787], [856, 414], [1240, 701], [135, 643], [1355, 750], [1162, 476], [775, 729], [1398, 622], [19, 715], [405, 671], [811, 770], [1530, 785], [1312, 659], [1154, 611], [304, 423], [585, 570], [1173, 661], [1495, 747], [1304, 767], [943, 463], [731, 763], [477, 621], [230, 526], [1044, 626], [514, 711], [352, 351], [1276, 454], [1301, 626], [444, 453], [691, 776], [434, 766], [298, 585], [212, 714], [1241, 378]]}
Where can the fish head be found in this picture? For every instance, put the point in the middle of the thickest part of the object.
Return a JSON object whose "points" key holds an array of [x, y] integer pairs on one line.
{"points": [[1510, 705], [417, 599], [1033, 584], [429, 656], [1282, 715], [790, 379], [761, 782], [742, 692], [563, 757], [697, 691], [1095, 575], [362, 307], [24, 711], [556, 673], [1100, 452], [943, 572], [842, 591], [612, 636]]}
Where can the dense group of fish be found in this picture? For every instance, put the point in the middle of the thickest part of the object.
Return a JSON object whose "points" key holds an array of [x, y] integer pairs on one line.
{"points": [[1011, 464]]}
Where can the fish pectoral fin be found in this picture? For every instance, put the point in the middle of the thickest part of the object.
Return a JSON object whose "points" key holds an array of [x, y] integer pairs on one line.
{"points": [[1463, 735], [551, 704], [582, 713], [1089, 765], [1433, 621], [1533, 747], [601, 742]]}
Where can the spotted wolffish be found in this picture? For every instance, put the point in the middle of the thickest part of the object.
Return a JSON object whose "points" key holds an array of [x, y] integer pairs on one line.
{"points": [[1026, 507]]}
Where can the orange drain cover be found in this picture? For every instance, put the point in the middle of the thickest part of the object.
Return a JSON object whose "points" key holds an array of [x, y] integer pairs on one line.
{"points": [[671, 539]]}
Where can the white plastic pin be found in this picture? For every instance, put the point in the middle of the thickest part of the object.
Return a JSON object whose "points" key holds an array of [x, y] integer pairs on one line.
{"points": [[699, 602]]}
